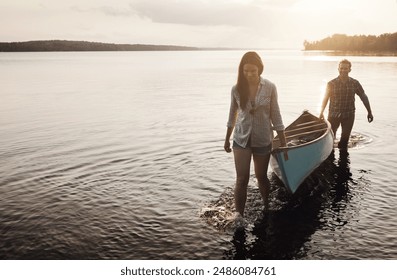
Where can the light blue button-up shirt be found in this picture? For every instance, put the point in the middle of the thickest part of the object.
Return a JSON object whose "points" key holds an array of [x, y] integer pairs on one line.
{"points": [[259, 124]]}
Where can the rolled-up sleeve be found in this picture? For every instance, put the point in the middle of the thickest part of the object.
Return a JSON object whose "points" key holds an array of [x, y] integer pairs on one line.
{"points": [[233, 110], [275, 114]]}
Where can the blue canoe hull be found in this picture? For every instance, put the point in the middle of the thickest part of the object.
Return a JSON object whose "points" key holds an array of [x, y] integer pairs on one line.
{"points": [[303, 156]]}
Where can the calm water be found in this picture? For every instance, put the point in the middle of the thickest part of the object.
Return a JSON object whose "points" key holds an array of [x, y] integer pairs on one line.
{"points": [[119, 156]]}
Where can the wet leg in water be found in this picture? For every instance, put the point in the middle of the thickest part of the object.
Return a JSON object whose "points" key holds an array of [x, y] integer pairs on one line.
{"points": [[261, 163]]}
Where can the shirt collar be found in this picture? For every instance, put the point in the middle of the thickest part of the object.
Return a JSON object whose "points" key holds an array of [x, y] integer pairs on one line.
{"points": [[340, 80]]}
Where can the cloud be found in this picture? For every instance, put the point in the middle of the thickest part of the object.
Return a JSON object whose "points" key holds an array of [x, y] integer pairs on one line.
{"points": [[195, 13], [113, 11], [228, 23], [241, 13], [184, 12]]}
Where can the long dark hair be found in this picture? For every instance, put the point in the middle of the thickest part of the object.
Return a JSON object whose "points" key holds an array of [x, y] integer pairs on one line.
{"points": [[242, 83]]}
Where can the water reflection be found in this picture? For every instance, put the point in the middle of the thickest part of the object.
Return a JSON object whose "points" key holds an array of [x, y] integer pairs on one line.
{"points": [[285, 233], [343, 178]]}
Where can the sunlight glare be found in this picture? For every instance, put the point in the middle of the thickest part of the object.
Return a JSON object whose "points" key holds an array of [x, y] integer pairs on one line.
{"points": [[319, 56]]}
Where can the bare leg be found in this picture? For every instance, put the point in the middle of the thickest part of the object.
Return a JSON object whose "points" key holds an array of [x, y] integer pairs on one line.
{"points": [[242, 160], [261, 163]]}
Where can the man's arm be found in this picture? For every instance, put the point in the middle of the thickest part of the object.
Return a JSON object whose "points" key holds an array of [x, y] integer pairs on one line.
{"points": [[365, 100], [370, 117], [325, 102]]}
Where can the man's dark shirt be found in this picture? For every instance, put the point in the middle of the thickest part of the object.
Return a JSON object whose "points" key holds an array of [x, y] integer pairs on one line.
{"points": [[342, 97]]}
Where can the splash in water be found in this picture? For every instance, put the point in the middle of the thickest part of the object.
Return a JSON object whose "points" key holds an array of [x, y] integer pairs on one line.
{"points": [[220, 213], [356, 140]]}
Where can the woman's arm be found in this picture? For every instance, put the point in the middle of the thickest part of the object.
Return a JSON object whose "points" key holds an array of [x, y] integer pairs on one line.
{"points": [[227, 139], [231, 122], [283, 142]]}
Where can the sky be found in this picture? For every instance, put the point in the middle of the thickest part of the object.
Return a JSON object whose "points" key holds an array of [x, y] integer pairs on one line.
{"points": [[255, 24]]}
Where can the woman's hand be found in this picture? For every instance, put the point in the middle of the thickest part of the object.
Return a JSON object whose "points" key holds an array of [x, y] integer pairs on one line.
{"points": [[283, 143], [227, 146], [285, 155]]}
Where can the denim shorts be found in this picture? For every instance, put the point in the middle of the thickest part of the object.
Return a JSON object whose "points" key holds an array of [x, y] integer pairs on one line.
{"points": [[263, 151]]}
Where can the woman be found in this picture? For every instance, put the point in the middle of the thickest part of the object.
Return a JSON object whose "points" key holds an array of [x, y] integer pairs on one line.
{"points": [[254, 110]]}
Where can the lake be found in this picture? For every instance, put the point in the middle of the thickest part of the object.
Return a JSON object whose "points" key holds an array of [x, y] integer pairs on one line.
{"points": [[119, 155]]}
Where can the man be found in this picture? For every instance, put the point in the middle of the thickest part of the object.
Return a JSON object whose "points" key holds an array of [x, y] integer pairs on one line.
{"points": [[341, 94]]}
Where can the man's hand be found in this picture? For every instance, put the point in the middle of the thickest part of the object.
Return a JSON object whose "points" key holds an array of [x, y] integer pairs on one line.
{"points": [[370, 117]]}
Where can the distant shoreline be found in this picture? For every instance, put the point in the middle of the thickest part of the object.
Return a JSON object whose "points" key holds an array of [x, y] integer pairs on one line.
{"points": [[353, 53], [85, 46]]}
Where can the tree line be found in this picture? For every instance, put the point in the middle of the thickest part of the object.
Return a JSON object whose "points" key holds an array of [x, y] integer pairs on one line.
{"points": [[64, 45], [385, 43]]}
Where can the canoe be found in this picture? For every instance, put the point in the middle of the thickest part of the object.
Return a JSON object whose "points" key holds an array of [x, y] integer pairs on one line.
{"points": [[309, 143]]}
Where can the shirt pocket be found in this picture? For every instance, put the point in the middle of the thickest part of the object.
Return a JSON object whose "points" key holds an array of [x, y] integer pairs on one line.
{"points": [[264, 104]]}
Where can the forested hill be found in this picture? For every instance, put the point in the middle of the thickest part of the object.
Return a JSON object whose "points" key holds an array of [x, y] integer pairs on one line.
{"points": [[385, 43], [64, 46]]}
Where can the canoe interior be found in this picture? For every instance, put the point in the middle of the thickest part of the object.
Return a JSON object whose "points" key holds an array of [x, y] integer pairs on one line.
{"points": [[303, 130]]}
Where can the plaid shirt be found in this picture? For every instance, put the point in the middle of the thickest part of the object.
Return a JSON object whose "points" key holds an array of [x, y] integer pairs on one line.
{"points": [[342, 97], [256, 120]]}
